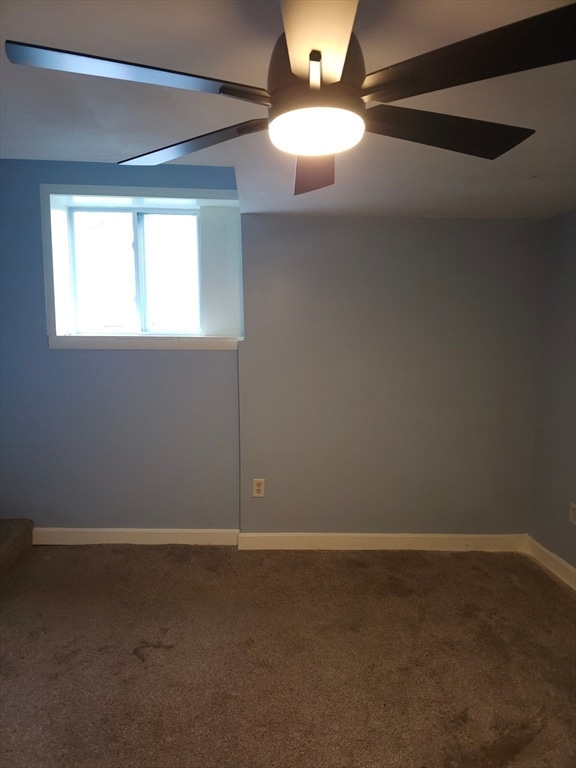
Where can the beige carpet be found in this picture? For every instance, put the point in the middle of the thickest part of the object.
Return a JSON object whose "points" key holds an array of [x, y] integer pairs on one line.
{"points": [[206, 657]]}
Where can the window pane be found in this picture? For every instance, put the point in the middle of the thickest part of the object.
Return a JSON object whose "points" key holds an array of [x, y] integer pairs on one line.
{"points": [[171, 266], [105, 279]]}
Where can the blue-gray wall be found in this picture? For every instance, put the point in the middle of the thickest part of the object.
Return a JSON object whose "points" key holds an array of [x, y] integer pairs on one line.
{"points": [[388, 373], [555, 438], [145, 439], [397, 376]]}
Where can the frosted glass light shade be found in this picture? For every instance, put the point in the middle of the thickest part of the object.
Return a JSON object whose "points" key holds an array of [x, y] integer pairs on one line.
{"points": [[316, 130]]}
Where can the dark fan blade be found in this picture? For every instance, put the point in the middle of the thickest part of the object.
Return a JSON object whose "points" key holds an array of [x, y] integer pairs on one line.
{"points": [[80, 63], [459, 134], [174, 151], [313, 173], [534, 42], [321, 25]]}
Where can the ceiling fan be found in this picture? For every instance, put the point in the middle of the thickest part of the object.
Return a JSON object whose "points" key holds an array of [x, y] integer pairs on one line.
{"points": [[320, 99]]}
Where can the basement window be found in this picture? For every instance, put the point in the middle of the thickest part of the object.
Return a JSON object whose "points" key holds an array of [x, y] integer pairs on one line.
{"points": [[131, 268]]}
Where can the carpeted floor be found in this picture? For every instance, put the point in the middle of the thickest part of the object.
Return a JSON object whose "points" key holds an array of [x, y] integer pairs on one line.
{"points": [[205, 657]]}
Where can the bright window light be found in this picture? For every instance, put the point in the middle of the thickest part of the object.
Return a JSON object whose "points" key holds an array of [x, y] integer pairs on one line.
{"points": [[104, 278], [171, 269], [316, 130], [121, 268], [134, 272]]}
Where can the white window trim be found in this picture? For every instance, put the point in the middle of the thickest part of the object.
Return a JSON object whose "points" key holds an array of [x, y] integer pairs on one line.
{"points": [[145, 342], [215, 198]]}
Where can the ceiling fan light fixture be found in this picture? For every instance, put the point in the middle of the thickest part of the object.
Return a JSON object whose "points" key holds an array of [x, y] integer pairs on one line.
{"points": [[316, 131]]}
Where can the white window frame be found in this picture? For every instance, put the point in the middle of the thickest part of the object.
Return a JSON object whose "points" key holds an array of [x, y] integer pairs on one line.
{"points": [[220, 268]]}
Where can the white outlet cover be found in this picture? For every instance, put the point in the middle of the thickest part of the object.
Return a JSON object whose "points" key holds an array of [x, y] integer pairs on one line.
{"points": [[258, 488]]}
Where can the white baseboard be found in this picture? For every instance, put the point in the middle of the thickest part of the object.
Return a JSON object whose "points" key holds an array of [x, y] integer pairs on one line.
{"points": [[218, 536], [560, 568], [506, 542]]}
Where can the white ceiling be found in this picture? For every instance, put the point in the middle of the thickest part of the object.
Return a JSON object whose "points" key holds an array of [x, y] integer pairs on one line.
{"points": [[55, 116]]}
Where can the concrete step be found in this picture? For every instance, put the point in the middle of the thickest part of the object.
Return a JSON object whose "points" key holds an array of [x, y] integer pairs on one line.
{"points": [[15, 541]]}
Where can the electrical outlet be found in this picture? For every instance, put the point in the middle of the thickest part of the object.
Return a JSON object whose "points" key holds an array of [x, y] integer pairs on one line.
{"points": [[573, 512], [258, 488]]}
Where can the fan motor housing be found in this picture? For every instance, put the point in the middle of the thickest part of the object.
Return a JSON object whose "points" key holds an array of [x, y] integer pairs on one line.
{"points": [[290, 92]]}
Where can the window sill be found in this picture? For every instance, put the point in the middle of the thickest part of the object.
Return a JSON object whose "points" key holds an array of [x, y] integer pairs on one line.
{"points": [[145, 342]]}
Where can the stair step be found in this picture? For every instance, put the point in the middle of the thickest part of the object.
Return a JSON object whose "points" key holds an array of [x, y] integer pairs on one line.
{"points": [[15, 540]]}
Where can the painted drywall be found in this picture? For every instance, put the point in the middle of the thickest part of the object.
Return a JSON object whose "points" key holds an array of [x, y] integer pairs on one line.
{"points": [[387, 378], [387, 382], [555, 435], [94, 438]]}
